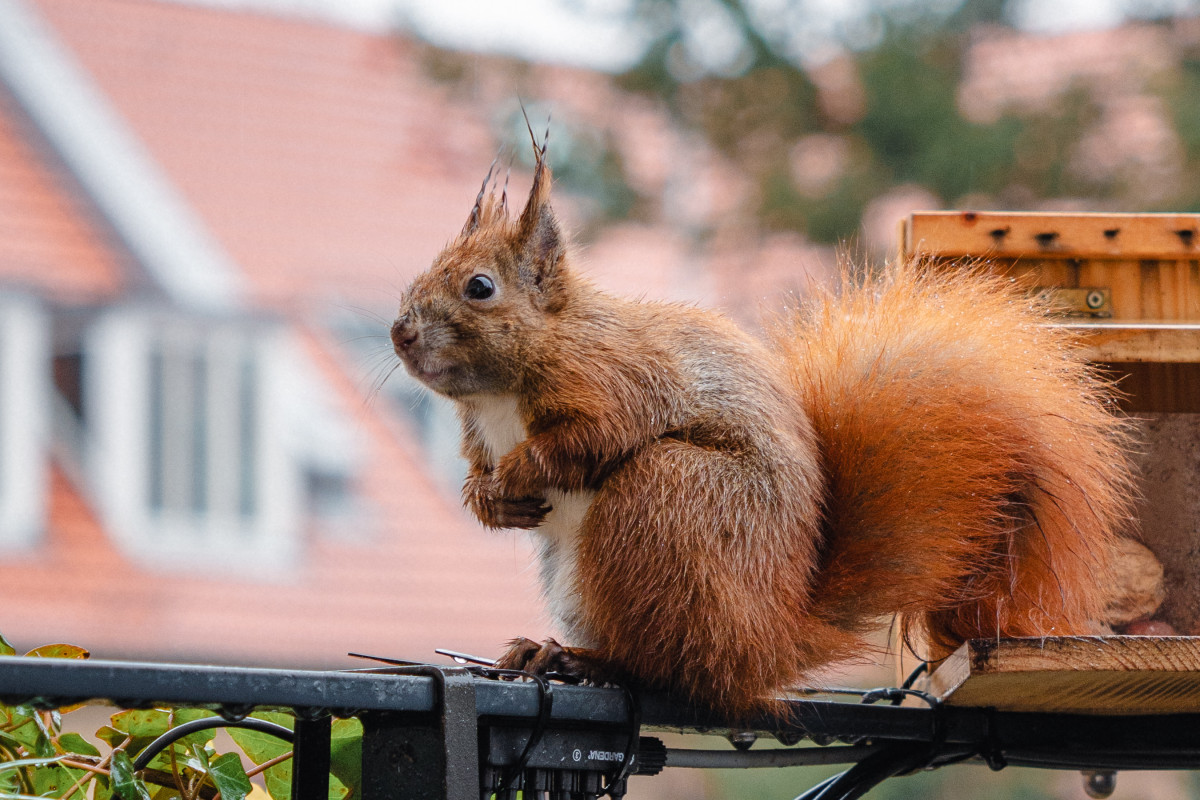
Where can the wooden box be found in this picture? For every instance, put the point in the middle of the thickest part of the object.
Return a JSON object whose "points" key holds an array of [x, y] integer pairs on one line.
{"points": [[1130, 284]]}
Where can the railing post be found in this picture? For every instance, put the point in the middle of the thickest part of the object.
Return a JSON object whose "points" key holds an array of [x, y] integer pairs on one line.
{"points": [[310, 757], [425, 757]]}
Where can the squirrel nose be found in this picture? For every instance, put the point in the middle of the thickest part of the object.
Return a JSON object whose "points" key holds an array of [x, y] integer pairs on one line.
{"points": [[404, 333]]}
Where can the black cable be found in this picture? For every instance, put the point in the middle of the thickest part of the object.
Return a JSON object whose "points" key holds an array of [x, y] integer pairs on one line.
{"points": [[545, 704], [831, 690], [873, 770], [816, 791], [616, 787], [920, 670], [179, 731], [896, 696], [776, 757]]}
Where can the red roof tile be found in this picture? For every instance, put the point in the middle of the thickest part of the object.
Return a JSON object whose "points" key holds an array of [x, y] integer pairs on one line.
{"points": [[48, 238], [322, 159]]}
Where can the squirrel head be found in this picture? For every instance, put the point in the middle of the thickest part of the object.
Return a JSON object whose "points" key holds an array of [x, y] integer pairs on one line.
{"points": [[466, 325]]}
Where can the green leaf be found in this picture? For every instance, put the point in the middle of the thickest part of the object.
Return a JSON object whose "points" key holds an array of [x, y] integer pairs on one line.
{"points": [[111, 736], [229, 776], [183, 715], [262, 747], [337, 789], [59, 651], [199, 758], [74, 744], [279, 780], [127, 785], [278, 717], [6, 649], [29, 731], [10, 782], [8, 743], [101, 788], [142, 723], [8, 714], [345, 754], [53, 781]]}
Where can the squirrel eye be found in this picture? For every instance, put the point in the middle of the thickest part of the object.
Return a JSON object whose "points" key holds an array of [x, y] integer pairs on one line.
{"points": [[480, 287]]}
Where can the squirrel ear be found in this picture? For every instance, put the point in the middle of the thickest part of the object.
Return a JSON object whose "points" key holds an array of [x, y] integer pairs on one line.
{"points": [[538, 234]]}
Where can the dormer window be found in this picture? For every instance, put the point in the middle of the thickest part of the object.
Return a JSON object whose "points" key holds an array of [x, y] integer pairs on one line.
{"points": [[24, 391], [201, 427], [187, 449]]}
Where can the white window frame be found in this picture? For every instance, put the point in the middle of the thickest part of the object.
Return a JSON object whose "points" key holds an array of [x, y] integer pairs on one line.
{"points": [[118, 403], [24, 399]]}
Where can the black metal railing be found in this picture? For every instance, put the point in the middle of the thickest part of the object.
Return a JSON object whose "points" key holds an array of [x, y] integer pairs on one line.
{"points": [[451, 732]]}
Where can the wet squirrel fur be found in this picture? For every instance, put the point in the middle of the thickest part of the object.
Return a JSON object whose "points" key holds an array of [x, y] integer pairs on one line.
{"points": [[720, 515]]}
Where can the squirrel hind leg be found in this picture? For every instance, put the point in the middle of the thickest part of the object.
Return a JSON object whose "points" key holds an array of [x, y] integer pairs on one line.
{"points": [[695, 570]]}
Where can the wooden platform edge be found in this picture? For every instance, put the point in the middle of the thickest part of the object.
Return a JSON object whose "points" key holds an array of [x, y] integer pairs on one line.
{"points": [[1146, 342], [1083, 674], [975, 234]]}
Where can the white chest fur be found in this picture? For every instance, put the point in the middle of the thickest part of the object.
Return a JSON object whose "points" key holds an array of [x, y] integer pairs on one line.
{"points": [[499, 424]]}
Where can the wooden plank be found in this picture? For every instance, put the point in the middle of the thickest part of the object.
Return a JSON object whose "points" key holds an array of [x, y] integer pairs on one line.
{"points": [[1082, 674], [988, 234], [1157, 342], [1153, 386]]}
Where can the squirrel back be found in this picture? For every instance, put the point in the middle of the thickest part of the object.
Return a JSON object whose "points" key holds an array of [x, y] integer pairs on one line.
{"points": [[720, 515]]}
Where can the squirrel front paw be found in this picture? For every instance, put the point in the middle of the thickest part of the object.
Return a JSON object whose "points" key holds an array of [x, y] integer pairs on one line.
{"points": [[518, 474], [496, 510]]}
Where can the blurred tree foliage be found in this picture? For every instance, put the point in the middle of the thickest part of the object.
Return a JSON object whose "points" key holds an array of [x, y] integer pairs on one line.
{"points": [[755, 106], [752, 79], [1183, 98]]}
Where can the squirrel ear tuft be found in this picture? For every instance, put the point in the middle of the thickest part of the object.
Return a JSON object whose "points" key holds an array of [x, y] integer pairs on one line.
{"points": [[537, 229], [538, 234], [478, 211]]}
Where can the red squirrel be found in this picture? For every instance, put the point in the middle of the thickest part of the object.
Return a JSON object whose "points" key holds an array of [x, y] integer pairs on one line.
{"points": [[719, 515]]}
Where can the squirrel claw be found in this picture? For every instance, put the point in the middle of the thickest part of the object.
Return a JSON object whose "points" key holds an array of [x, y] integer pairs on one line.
{"points": [[523, 512], [519, 653], [549, 658]]}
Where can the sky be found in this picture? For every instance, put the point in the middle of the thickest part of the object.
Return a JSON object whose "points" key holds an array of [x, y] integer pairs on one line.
{"points": [[595, 33]]}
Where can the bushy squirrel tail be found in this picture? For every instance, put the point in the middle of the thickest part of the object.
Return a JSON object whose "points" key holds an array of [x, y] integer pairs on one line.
{"points": [[978, 474]]}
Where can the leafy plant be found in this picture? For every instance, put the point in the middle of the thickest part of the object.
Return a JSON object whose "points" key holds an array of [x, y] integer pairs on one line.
{"points": [[39, 759]]}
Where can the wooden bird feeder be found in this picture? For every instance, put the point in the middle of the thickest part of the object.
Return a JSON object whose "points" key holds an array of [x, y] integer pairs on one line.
{"points": [[1130, 285]]}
